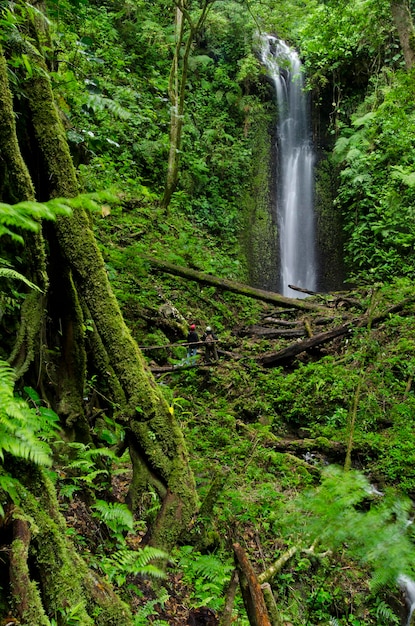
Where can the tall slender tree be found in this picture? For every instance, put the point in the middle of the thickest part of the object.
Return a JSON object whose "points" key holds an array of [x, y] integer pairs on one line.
{"points": [[189, 20]]}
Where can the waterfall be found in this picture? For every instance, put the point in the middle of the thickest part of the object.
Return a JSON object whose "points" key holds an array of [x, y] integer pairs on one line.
{"points": [[294, 180], [408, 586]]}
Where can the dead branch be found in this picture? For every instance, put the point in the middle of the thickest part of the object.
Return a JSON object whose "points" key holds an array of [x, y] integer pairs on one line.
{"points": [[301, 290], [277, 566], [271, 605], [226, 618], [273, 320], [272, 333], [251, 590]]}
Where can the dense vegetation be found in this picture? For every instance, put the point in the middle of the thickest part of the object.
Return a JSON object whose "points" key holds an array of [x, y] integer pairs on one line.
{"points": [[127, 495]]}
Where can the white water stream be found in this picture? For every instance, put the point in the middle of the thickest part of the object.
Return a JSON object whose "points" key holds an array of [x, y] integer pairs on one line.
{"points": [[408, 586], [295, 176]]}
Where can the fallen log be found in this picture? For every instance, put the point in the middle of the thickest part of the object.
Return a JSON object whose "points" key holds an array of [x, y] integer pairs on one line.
{"points": [[271, 360], [272, 333], [234, 286], [302, 290], [319, 445], [273, 320]]}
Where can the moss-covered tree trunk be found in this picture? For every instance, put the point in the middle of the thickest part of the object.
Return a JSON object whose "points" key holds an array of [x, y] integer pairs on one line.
{"points": [[79, 285], [154, 433]]}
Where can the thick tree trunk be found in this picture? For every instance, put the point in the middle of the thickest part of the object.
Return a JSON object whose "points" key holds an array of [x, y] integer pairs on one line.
{"points": [[25, 594], [176, 93], [63, 580], [403, 21], [15, 178], [81, 283], [153, 428]]}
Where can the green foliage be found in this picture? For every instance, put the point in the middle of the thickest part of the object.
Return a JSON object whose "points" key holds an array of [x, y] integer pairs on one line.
{"points": [[124, 563], [341, 38], [23, 429], [376, 192], [207, 574], [8, 273], [69, 616], [111, 67], [116, 516], [150, 608], [83, 467], [24, 432], [345, 510], [384, 614], [26, 216]]}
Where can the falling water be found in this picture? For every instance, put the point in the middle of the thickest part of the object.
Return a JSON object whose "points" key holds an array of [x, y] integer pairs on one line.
{"points": [[294, 180], [408, 586]]}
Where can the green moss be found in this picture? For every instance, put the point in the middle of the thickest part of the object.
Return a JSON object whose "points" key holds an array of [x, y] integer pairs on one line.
{"points": [[51, 136], [64, 579], [33, 613], [329, 227], [18, 179], [259, 236]]}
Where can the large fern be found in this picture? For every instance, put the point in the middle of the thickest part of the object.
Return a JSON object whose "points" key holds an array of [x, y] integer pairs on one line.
{"points": [[23, 432], [116, 516], [122, 563], [27, 215], [20, 427], [8, 272], [208, 575]]}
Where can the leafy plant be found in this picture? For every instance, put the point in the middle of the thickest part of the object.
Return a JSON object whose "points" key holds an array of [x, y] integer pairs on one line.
{"points": [[116, 516], [149, 609], [125, 562], [21, 429], [207, 574], [334, 515], [83, 467]]}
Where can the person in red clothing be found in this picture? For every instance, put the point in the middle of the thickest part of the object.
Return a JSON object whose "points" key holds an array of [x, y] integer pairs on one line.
{"points": [[192, 338]]}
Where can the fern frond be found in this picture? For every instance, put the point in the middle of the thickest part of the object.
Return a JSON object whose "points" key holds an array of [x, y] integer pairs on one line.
{"points": [[19, 424], [133, 562], [9, 486], [99, 103], [385, 615], [116, 516], [91, 476], [6, 272]]}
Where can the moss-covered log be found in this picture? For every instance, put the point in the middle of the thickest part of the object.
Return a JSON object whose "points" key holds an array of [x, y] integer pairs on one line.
{"points": [[235, 287]]}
